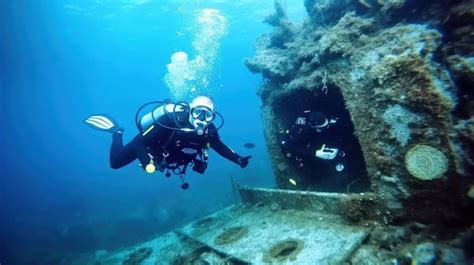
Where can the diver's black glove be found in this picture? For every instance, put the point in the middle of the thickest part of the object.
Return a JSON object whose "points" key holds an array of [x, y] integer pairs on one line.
{"points": [[243, 161]]}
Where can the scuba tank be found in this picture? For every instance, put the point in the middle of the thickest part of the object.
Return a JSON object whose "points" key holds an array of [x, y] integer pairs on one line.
{"points": [[151, 117]]}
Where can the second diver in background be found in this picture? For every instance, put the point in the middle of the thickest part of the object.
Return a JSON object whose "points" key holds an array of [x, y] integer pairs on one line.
{"points": [[309, 137]]}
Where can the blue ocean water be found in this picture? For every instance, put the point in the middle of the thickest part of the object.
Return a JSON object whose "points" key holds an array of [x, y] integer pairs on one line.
{"points": [[61, 61]]}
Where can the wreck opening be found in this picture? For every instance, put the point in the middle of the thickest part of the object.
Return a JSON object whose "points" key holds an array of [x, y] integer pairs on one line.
{"points": [[304, 169]]}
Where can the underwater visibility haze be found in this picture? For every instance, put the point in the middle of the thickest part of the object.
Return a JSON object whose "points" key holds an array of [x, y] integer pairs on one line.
{"points": [[345, 132], [62, 61]]}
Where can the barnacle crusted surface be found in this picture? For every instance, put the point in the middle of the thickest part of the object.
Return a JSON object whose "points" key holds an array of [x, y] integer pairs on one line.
{"points": [[393, 73]]}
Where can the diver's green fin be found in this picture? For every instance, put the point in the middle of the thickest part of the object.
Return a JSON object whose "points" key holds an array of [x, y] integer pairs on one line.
{"points": [[102, 122]]}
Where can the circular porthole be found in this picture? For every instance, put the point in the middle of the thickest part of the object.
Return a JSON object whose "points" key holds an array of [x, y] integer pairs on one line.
{"points": [[231, 235], [283, 251], [202, 226]]}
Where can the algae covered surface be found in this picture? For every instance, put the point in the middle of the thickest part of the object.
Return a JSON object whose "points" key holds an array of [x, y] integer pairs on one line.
{"points": [[401, 73], [401, 70]]}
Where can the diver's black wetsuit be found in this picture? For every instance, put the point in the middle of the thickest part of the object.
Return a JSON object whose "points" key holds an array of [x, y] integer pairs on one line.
{"points": [[172, 146]]}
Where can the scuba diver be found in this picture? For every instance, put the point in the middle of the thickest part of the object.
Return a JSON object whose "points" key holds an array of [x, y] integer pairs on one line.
{"points": [[309, 137], [172, 137]]}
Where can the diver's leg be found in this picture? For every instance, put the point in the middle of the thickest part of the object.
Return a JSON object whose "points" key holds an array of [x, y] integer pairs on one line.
{"points": [[121, 155]]}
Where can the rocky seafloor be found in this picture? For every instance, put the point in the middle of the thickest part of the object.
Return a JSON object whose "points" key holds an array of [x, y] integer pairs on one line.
{"points": [[403, 70]]}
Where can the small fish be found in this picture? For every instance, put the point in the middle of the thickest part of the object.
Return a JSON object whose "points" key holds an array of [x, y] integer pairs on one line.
{"points": [[292, 181], [249, 145]]}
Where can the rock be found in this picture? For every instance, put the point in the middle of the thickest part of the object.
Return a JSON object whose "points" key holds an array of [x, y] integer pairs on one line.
{"points": [[390, 5], [389, 237], [470, 193], [326, 12], [282, 166], [274, 207], [137, 256], [453, 256], [399, 119], [425, 254], [462, 67], [368, 256]]}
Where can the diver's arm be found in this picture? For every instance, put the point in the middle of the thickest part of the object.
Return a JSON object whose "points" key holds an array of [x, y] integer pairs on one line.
{"points": [[223, 150]]}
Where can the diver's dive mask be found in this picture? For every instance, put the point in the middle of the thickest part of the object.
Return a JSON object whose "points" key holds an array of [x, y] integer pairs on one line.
{"points": [[203, 113], [200, 118]]}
